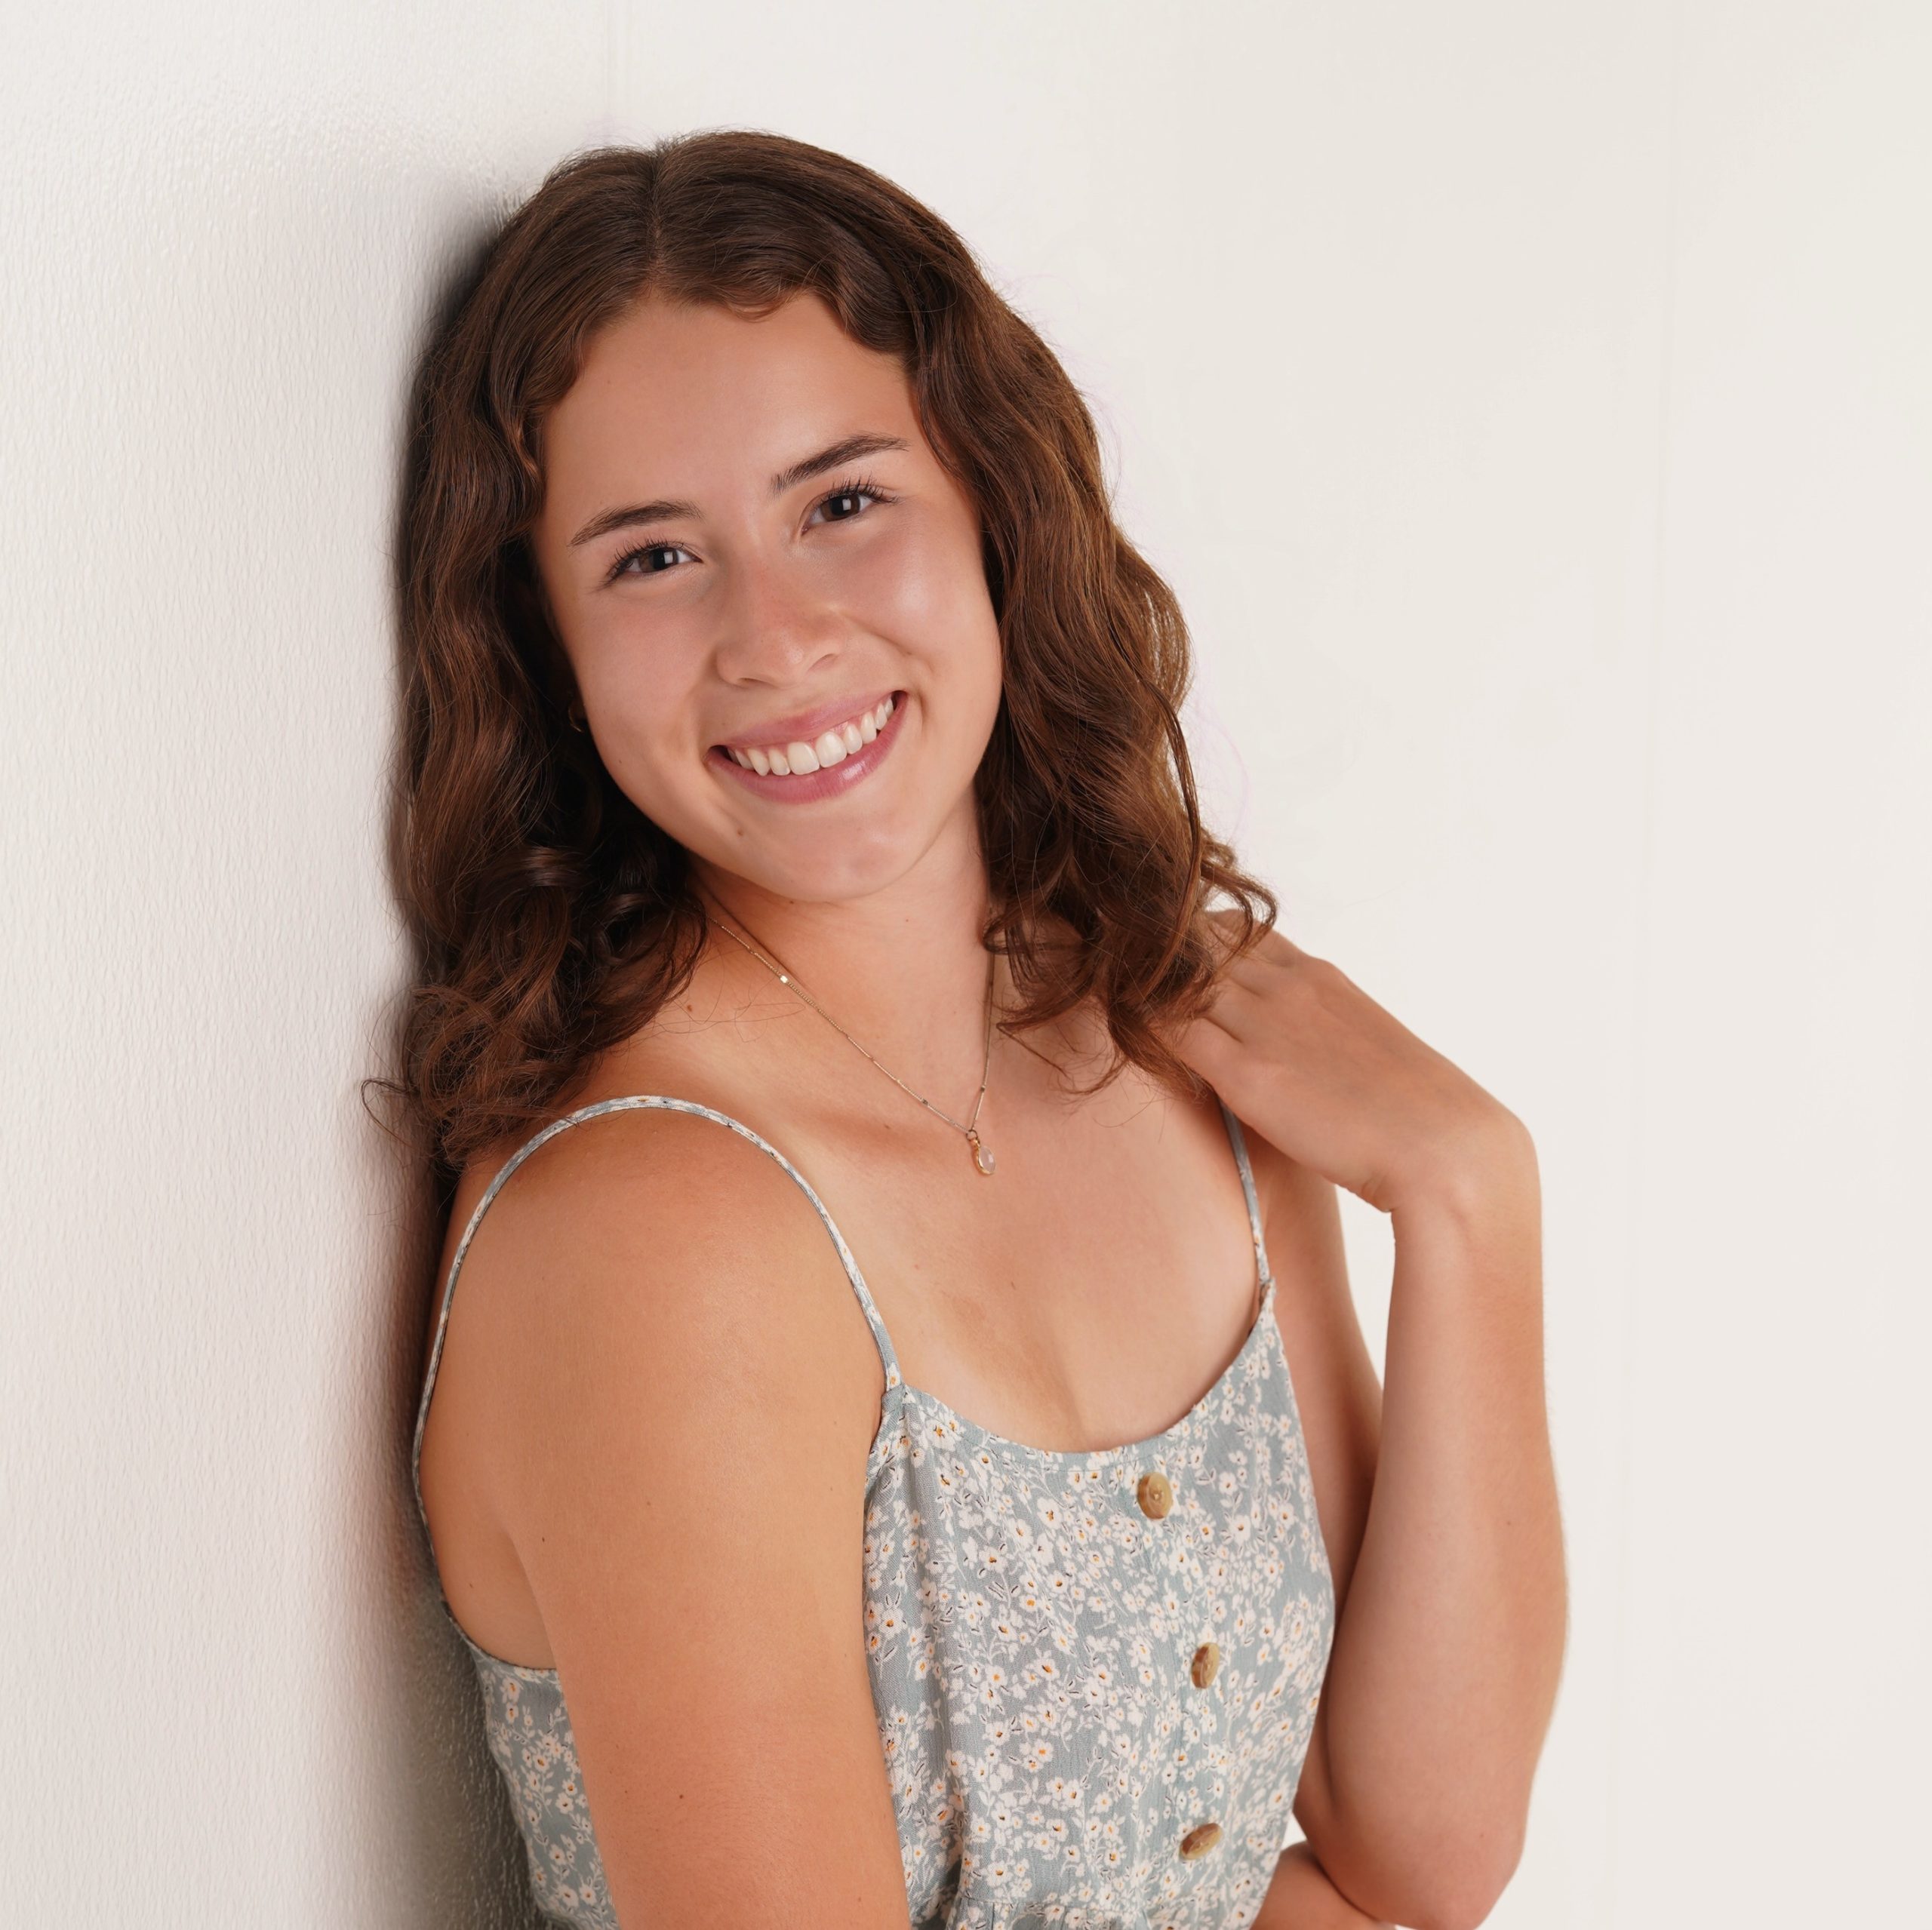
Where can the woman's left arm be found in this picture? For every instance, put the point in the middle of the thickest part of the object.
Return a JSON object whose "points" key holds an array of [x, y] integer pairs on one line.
{"points": [[1449, 1639]]}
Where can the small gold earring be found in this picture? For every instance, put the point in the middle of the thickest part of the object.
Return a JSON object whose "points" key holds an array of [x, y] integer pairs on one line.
{"points": [[577, 716]]}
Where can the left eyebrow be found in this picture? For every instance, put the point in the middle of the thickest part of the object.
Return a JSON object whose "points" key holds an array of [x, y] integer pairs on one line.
{"points": [[847, 449]]}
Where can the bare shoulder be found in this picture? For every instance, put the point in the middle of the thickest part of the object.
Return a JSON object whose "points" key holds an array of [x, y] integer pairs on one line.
{"points": [[650, 1251], [674, 1395]]}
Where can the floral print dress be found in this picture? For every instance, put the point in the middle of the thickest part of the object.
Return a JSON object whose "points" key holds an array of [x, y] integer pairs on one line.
{"points": [[1095, 1674]]}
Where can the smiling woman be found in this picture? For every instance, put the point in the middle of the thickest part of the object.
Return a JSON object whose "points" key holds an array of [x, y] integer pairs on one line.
{"points": [[670, 610], [660, 318], [783, 696]]}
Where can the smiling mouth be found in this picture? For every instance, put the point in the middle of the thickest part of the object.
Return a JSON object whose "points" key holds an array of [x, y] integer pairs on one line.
{"points": [[802, 757]]}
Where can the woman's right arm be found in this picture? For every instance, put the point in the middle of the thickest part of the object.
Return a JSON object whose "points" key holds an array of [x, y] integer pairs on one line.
{"points": [[688, 1390]]}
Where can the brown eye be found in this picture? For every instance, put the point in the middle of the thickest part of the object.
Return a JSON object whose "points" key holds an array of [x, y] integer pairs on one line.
{"points": [[642, 555], [849, 495]]}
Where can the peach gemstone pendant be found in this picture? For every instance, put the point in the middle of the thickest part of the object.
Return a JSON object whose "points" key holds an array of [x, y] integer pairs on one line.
{"points": [[983, 1156]]}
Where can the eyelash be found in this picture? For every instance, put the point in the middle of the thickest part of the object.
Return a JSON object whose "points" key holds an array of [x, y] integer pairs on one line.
{"points": [[852, 486]]}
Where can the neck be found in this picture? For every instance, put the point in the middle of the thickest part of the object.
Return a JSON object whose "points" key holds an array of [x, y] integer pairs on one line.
{"points": [[903, 970]]}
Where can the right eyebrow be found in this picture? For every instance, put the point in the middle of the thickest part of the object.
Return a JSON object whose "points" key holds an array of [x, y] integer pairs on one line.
{"points": [[664, 510]]}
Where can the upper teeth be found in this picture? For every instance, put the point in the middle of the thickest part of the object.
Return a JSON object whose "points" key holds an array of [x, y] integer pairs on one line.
{"points": [[798, 758]]}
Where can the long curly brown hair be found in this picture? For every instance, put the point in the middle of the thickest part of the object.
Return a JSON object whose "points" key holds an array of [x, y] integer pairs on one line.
{"points": [[551, 918]]}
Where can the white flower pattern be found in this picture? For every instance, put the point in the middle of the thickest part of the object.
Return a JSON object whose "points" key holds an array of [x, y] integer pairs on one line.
{"points": [[1034, 1635]]}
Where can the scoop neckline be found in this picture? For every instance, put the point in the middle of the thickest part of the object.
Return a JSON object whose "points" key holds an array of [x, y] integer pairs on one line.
{"points": [[981, 1435], [1103, 1456], [984, 1437]]}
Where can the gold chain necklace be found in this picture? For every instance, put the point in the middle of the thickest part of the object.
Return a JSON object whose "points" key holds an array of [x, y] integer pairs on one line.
{"points": [[983, 1155]]}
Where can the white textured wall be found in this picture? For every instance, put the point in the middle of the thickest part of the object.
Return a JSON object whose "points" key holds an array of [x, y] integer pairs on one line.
{"points": [[1533, 407], [221, 228]]}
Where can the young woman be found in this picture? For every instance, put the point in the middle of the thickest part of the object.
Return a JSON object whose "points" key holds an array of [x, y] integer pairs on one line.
{"points": [[888, 1195]]}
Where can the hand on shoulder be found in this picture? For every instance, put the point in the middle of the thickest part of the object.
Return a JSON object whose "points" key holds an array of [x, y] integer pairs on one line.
{"points": [[1299, 1051]]}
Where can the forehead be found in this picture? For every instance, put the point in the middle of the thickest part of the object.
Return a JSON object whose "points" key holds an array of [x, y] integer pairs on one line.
{"points": [[687, 392]]}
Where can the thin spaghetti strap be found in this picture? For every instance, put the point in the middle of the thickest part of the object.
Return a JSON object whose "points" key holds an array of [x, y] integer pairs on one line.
{"points": [[632, 1102], [1240, 1142]]}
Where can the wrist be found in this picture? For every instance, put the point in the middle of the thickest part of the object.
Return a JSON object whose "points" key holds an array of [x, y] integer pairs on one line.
{"points": [[1484, 1171]]}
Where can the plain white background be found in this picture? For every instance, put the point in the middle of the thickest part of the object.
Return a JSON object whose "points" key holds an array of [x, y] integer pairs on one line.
{"points": [[1533, 406]]}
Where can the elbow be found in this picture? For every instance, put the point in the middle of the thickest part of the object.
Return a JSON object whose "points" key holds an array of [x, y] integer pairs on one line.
{"points": [[1436, 1879], [1429, 1864], [1459, 1912], [1465, 1884]]}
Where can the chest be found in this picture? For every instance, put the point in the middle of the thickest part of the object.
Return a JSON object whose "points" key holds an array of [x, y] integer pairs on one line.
{"points": [[1086, 1293]]}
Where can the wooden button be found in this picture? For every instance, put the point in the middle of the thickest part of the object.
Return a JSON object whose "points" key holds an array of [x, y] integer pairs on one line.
{"points": [[1199, 1840], [1206, 1664], [1154, 1495]]}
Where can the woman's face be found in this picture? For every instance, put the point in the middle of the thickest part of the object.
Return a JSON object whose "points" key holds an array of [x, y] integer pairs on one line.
{"points": [[746, 540]]}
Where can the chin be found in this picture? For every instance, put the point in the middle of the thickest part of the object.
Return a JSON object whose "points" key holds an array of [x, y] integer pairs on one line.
{"points": [[820, 879]]}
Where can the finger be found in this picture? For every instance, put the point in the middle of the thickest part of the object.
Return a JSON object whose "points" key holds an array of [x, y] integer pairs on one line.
{"points": [[1202, 1043], [1220, 932], [1278, 942], [1273, 944], [1236, 1005]]}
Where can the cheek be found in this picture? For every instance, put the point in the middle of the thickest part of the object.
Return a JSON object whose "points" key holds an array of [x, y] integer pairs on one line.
{"points": [[647, 702], [643, 690], [925, 590]]}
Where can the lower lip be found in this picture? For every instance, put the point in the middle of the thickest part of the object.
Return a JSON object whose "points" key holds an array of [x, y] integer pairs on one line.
{"points": [[829, 780]]}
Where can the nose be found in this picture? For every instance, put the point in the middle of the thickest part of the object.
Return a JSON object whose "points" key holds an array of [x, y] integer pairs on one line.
{"points": [[775, 624]]}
